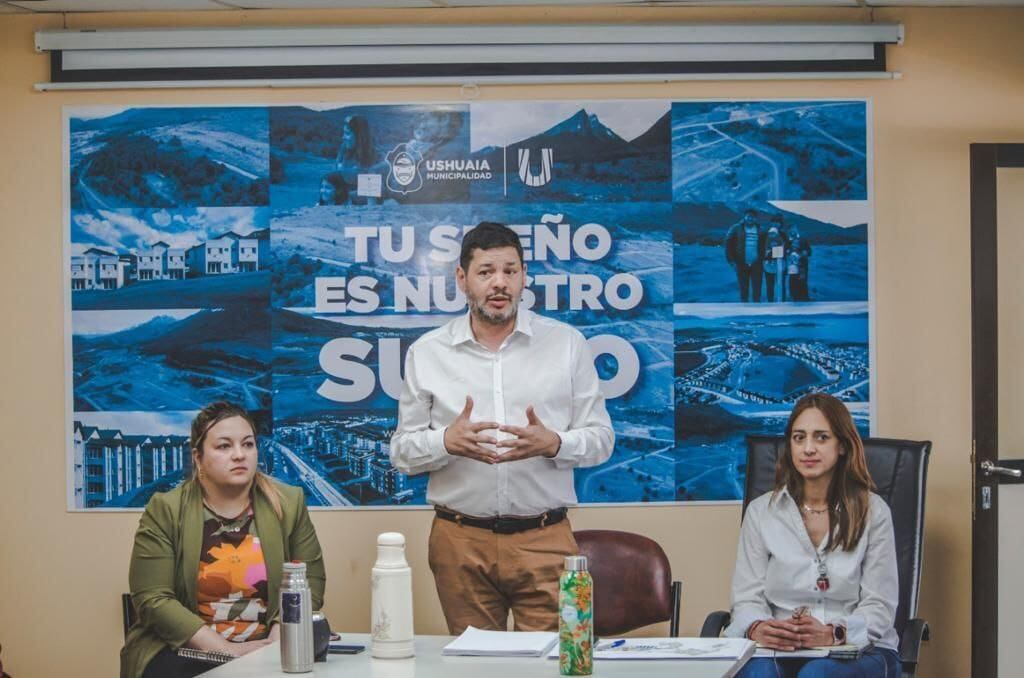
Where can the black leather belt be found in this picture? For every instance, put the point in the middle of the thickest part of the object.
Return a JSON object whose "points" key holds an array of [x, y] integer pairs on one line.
{"points": [[505, 524]]}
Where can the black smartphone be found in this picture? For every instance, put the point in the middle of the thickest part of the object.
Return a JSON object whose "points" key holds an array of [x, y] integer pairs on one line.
{"points": [[345, 649]]}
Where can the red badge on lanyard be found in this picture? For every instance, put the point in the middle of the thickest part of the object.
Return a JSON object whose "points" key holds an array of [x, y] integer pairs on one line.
{"points": [[822, 582]]}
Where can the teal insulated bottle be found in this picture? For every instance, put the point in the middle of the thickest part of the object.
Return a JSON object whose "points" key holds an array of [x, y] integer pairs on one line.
{"points": [[575, 619]]}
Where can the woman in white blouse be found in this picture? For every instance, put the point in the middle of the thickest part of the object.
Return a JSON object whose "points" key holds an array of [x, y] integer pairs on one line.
{"points": [[817, 559]]}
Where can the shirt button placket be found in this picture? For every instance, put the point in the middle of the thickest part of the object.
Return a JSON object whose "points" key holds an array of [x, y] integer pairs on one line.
{"points": [[499, 416]]}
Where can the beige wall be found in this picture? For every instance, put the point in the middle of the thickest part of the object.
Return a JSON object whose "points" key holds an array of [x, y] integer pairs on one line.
{"points": [[61, 573]]}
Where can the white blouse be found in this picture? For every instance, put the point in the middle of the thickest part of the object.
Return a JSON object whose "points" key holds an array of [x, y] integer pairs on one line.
{"points": [[777, 570]]}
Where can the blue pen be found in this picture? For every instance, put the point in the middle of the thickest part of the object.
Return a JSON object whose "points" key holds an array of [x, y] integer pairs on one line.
{"points": [[612, 645]]}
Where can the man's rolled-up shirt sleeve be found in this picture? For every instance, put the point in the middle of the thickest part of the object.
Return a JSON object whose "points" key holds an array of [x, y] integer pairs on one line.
{"points": [[590, 438], [415, 446]]}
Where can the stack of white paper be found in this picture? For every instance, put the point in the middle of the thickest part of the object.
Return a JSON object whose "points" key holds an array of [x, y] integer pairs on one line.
{"points": [[478, 643], [809, 653], [671, 648]]}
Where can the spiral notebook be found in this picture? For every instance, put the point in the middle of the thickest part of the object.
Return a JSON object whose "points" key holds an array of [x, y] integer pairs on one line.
{"points": [[848, 651], [210, 657]]}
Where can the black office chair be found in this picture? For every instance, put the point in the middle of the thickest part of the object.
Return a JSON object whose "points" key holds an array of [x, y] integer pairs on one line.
{"points": [[128, 615], [633, 584], [898, 468]]}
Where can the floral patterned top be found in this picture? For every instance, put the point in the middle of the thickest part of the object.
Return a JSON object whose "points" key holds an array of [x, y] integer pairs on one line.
{"points": [[231, 589]]}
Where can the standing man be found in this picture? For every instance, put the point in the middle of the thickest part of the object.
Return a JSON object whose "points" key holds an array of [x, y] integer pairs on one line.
{"points": [[499, 406], [744, 247]]}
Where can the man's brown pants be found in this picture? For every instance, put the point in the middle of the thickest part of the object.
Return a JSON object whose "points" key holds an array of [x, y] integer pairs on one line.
{"points": [[481, 575]]}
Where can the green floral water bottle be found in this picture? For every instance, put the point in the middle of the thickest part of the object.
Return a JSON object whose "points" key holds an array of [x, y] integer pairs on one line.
{"points": [[575, 619]]}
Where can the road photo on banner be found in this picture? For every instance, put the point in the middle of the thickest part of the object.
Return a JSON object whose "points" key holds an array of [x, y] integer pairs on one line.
{"points": [[735, 151]]}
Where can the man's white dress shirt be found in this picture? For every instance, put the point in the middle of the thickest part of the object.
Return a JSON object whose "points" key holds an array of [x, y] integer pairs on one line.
{"points": [[544, 363], [776, 572]]}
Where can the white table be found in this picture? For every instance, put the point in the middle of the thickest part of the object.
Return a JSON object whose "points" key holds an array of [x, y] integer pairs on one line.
{"points": [[429, 663]]}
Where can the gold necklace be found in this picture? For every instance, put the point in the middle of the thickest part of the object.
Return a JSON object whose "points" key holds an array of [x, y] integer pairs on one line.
{"points": [[808, 509]]}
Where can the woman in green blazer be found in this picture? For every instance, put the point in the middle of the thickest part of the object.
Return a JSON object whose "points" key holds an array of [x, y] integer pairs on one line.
{"points": [[202, 580]]}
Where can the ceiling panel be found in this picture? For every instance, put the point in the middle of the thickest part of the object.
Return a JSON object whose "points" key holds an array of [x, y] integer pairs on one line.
{"points": [[9, 6], [945, 3], [662, 3], [508, 3], [115, 5]]}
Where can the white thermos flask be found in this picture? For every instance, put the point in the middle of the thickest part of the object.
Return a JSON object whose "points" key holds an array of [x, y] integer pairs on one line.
{"points": [[391, 600]]}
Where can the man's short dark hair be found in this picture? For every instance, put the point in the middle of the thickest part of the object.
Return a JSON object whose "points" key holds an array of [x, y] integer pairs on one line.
{"points": [[488, 235]]}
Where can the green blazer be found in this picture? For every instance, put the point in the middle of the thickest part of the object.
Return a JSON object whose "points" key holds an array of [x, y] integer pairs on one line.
{"points": [[165, 566]]}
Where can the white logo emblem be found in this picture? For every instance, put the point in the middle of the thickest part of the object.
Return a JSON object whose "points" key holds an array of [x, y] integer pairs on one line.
{"points": [[404, 176], [546, 158]]}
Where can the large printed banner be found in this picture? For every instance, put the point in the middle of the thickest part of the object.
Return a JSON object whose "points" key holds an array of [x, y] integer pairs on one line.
{"points": [[714, 253]]}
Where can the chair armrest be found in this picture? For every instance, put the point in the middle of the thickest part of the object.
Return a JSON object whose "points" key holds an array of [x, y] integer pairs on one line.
{"points": [[676, 592], [715, 624], [914, 632]]}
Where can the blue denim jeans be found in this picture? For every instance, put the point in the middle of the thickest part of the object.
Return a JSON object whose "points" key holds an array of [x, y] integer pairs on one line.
{"points": [[875, 663]]}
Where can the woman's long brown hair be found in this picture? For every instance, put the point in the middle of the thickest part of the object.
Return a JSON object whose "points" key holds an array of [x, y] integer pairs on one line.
{"points": [[207, 418], [849, 490]]}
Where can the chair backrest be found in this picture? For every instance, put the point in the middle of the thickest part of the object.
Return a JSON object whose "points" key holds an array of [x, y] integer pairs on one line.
{"points": [[632, 580], [899, 469], [128, 615]]}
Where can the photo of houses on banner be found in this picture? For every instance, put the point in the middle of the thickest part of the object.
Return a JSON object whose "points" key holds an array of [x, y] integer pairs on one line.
{"points": [[100, 269], [119, 459], [191, 257]]}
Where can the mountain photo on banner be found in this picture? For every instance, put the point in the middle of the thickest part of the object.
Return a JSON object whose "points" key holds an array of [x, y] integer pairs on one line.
{"points": [[193, 257], [168, 157], [743, 151], [739, 368], [600, 151], [361, 155], [171, 359], [376, 242], [803, 251]]}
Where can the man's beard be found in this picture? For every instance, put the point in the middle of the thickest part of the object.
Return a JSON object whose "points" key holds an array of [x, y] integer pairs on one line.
{"points": [[482, 313]]}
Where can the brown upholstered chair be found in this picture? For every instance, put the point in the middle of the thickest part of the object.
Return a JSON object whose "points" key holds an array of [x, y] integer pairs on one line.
{"points": [[633, 584]]}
